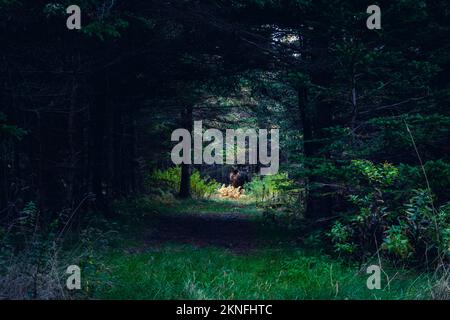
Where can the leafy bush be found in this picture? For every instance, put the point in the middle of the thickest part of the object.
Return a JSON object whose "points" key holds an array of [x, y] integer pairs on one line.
{"points": [[269, 187], [403, 220], [277, 194], [370, 192], [396, 241], [375, 174], [427, 226], [438, 174], [341, 237], [169, 179], [35, 254], [29, 258], [203, 187]]}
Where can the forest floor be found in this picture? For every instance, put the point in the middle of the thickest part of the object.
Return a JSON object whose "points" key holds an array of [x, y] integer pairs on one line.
{"points": [[228, 250]]}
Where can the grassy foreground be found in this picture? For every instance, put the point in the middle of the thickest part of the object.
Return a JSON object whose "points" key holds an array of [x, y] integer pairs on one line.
{"points": [[185, 272], [186, 267]]}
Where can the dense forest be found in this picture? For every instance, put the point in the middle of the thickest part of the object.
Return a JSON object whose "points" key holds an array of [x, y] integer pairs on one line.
{"points": [[87, 116]]}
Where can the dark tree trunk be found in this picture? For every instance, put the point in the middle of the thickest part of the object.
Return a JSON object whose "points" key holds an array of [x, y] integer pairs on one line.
{"points": [[97, 139], [306, 122], [185, 183], [319, 201], [133, 163], [71, 145]]}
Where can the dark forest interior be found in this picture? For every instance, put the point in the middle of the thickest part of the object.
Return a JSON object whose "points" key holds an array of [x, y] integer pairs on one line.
{"points": [[86, 118]]}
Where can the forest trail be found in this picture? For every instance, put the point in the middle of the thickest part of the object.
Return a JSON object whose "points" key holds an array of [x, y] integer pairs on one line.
{"points": [[209, 249], [221, 230], [228, 228]]}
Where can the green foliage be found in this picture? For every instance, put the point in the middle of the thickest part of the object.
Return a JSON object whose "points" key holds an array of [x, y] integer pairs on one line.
{"points": [[403, 220], [389, 135], [341, 238], [203, 187], [382, 174], [299, 79], [397, 242], [29, 218], [9, 130], [427, 226], [278, 195], [34, 255], [166, 179], [269, 187], [169, 180], [4, 4], [54, 9], [438, 175], [421, 229], [103, 30]]}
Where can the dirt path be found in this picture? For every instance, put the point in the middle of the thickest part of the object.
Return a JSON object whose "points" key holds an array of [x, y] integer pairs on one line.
{"points": [[227, 230]]}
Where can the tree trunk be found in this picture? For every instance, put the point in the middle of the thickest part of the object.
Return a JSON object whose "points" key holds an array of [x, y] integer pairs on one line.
{"points": [[306, 122], [319, 201], [97, 139], [185, 183]]}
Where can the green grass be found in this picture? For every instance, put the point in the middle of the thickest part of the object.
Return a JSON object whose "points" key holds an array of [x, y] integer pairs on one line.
{"points": [[279, 269], [187, 272], [209, 206]]}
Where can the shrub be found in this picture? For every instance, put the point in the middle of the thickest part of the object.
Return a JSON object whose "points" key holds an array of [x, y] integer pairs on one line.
{"points": [[396, 241], [341, 237], [269, 187], [438, 174], [34, 255], [403, 220], [428, 226], [169, 179], [383, 174], [277, 194], [203, 187]]}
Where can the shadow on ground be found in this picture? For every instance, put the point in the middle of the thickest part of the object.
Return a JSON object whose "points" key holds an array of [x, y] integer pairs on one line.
{"points": [[231, 231]]}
